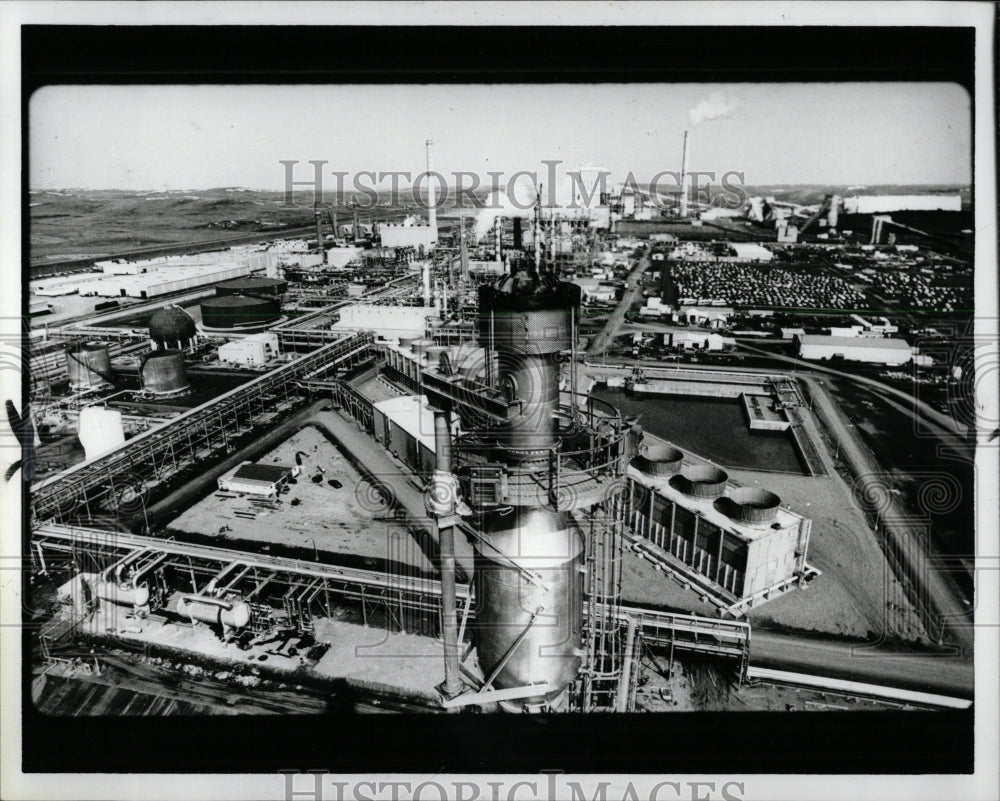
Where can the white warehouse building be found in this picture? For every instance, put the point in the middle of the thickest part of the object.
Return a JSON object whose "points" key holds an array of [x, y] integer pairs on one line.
{"points": [[856, 349], [250, 351]]}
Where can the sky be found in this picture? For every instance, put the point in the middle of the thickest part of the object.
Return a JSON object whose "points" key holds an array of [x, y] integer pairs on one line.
{"points": [[196, 137]]}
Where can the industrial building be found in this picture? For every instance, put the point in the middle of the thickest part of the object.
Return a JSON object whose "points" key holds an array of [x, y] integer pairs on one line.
{"points": [[739, 541], [388, 323], [404, 426], [265, 480], [875, 350], [250, 351], [402, 235], [876, 204]]}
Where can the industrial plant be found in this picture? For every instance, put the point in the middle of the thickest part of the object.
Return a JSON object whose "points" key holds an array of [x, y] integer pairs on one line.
{"points": [[543, 461]]}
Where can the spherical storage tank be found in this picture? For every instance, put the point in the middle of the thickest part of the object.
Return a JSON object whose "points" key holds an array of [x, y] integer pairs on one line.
{"points": [[265, 287], [172, 328], [163, 372], [89, 365], [226, 312]]}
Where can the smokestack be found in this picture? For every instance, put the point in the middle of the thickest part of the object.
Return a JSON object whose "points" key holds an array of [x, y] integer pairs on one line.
{"points": [[431, 197], [517, 233], [463, 249], [427, 283], [537, 233], [684, 167], [497, 234], [319, 227], [356, 227]]}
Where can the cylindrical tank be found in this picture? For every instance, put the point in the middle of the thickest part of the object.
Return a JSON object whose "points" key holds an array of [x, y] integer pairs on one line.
{"points": [[172, 328], [420, 346], [239, 311], [252, 286], [543, 542], [406, 343], [703, 481], [100, 430], [526, 318], [215, 612], [659, 460], [113, 593], [751, 506], [89, 365], [163, 372]]}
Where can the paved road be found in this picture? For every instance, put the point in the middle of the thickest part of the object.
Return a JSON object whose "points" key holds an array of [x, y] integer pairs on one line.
{"points": [[633, 288], [927, 672], [942, 597], [927, 413]]}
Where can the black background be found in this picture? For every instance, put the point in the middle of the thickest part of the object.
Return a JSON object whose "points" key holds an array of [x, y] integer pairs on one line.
{"points": [[799, 742]]}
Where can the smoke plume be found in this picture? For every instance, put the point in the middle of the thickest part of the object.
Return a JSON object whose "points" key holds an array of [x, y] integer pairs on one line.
{"points": [[714, 107]]}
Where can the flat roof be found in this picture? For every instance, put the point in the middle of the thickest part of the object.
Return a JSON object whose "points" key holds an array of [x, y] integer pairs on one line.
{"points": [[271, 473], [855, 342], [412, 414]]}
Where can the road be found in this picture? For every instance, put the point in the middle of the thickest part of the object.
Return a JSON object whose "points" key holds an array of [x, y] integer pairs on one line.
{"points": [[633, 288], [927, 414], [819, 656], [943, 601]]}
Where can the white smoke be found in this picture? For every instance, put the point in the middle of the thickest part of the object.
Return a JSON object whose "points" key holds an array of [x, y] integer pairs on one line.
{"points": [[714, 107], [519, 202]]}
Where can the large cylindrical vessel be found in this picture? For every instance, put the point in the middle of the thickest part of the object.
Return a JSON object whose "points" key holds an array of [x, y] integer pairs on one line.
{"points": [[213, 611], [163, 372], [234, 312], [100, 430], [528, 564], [537, 618], [110, 592], [89, 366], [252, 286]]}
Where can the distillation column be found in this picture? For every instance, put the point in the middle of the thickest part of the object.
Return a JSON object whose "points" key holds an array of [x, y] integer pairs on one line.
{"points": [[529, 558]]}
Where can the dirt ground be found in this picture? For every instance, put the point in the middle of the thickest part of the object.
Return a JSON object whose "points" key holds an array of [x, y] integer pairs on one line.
{"points": [[352, 519], [699, 686]]}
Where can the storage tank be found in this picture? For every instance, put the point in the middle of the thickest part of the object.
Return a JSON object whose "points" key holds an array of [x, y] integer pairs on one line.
{"points": [[658, 460], [120, 594], [265, 287], [89, 366], [100, 430], [214, 611], [703, 481], [172, 327], [163, 372], [750, 505], [239, 311], [420, 347]]}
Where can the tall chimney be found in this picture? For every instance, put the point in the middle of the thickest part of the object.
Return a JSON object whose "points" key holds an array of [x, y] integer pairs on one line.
{"points": [[463, 249], [517, 233], [497, 235], [431, 197], [427, 283], [536, 236], [684, 188]]}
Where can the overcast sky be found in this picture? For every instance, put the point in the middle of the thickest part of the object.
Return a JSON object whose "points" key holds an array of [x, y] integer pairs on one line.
{"points": [[195, 137]]}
